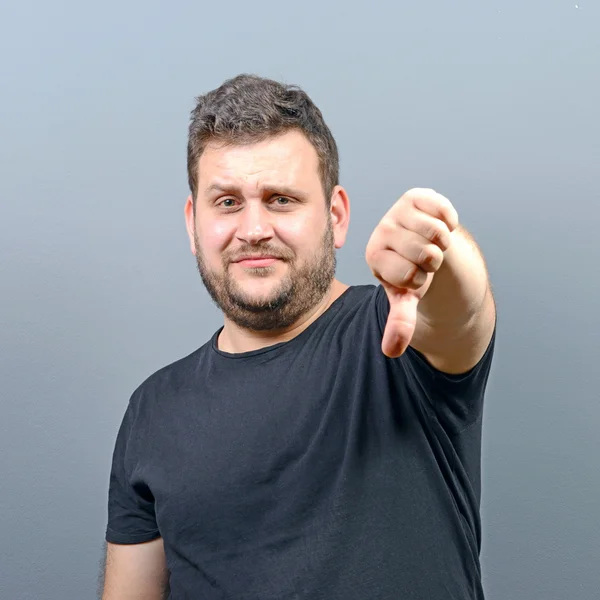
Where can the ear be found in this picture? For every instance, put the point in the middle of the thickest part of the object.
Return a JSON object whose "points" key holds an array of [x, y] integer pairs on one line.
{"points": [[190, 222], [340, 215]]}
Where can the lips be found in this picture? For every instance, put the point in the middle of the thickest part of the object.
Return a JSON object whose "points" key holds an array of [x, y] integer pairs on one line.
{"points": [[256, 261]]}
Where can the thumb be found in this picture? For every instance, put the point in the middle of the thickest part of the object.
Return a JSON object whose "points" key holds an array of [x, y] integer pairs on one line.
{"points": [[401, 321]]}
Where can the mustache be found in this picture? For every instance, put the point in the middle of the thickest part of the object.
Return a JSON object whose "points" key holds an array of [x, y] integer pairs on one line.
{"points": [[258, 250]]}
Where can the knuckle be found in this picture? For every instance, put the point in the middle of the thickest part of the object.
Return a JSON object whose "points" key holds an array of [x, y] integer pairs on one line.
{"points": [[429, 256], [373, 248], [420, 191], [387, 226], [414, 277], [450, 214], [438, 234], [417, 192], [370, 253]]}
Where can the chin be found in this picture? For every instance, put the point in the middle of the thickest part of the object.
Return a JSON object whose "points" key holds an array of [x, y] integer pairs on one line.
{"points": [[260, 293]]}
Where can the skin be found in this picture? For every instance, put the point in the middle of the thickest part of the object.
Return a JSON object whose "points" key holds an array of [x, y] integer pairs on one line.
{"points": [[136, 572], [430, 267]]}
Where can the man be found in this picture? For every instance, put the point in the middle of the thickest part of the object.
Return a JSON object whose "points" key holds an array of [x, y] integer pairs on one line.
{"points": [[325, 443]]}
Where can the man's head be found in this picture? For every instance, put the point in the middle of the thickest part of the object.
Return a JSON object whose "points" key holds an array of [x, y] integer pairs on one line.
{"points": [[263, 173]]}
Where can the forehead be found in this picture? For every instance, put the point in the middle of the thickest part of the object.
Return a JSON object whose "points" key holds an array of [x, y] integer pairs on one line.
{"points": [[288, 158]]}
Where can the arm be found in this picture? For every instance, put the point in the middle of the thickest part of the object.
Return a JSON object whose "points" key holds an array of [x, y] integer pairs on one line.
{"points": [[457, 315], [136, 572]]}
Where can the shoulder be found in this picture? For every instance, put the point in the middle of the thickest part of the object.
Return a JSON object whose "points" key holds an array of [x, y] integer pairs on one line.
{"points": [[167, 382], [359, 298]]}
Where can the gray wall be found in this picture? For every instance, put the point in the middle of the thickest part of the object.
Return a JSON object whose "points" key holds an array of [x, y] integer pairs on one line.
{"points": [[495, 104]]}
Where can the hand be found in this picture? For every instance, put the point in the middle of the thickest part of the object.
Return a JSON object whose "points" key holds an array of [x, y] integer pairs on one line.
{"points": [[405, 250]]}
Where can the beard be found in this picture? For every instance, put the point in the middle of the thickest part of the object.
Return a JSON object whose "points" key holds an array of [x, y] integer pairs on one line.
{"points": [[298, 291]]}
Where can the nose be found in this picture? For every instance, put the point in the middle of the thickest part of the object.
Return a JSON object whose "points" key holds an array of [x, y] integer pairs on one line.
{"points": [[255, 224]]}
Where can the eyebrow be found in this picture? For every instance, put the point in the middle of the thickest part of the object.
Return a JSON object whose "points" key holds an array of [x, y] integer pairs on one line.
{"points": [[284, 190]]}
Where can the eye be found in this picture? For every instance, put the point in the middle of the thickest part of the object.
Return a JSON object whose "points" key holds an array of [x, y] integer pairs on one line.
{"points": [[282, 201], [227, 203]]}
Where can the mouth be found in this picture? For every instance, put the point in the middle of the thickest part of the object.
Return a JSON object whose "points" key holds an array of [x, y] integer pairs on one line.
{"points": [[253, 262]]}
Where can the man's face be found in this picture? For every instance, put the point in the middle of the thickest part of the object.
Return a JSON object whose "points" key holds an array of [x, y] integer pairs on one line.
{"points": [[263, 236]]}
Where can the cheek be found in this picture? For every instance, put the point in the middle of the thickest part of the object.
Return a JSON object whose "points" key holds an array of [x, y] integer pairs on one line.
{"points": [[302, 231], [214, 235]]}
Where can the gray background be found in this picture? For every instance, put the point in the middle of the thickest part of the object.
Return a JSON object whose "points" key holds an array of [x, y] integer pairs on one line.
{"points": [[494, 104]]}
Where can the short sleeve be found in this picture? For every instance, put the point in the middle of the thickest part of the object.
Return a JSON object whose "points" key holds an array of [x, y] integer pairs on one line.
{"points": [[456, 400], [131, 516]]}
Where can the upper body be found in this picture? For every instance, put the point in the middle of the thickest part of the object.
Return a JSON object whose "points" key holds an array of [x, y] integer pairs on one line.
{"points": [[314, 468], [325, 443]]}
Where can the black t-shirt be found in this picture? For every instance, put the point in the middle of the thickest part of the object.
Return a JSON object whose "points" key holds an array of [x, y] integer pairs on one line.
{"points": [[316, 468]]}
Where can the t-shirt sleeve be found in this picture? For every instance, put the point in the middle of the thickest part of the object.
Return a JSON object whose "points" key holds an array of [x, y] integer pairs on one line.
{"points": [[456, 399], [131, 516]]}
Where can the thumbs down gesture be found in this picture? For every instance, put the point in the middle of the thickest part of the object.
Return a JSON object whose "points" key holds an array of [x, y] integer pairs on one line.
{"points": [[404, 252]]}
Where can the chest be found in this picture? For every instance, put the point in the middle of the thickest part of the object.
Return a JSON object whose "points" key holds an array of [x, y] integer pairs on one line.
{"points": [[248, 452]]}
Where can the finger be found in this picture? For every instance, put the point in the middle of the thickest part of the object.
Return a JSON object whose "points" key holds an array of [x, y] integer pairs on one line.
{"points": [[417, 250], [436, 205], [432, 229], [391, 268], [401, 322]]}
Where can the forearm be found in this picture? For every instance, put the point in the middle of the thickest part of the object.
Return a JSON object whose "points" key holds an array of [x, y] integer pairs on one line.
{"points": [[459, 288]]}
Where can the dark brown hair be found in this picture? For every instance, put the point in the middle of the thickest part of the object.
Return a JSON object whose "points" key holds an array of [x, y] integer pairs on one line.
{"points": [[248, 109]]}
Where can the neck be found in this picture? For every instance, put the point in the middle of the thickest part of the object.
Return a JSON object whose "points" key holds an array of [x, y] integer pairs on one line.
{"points": [[235, 339]]}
